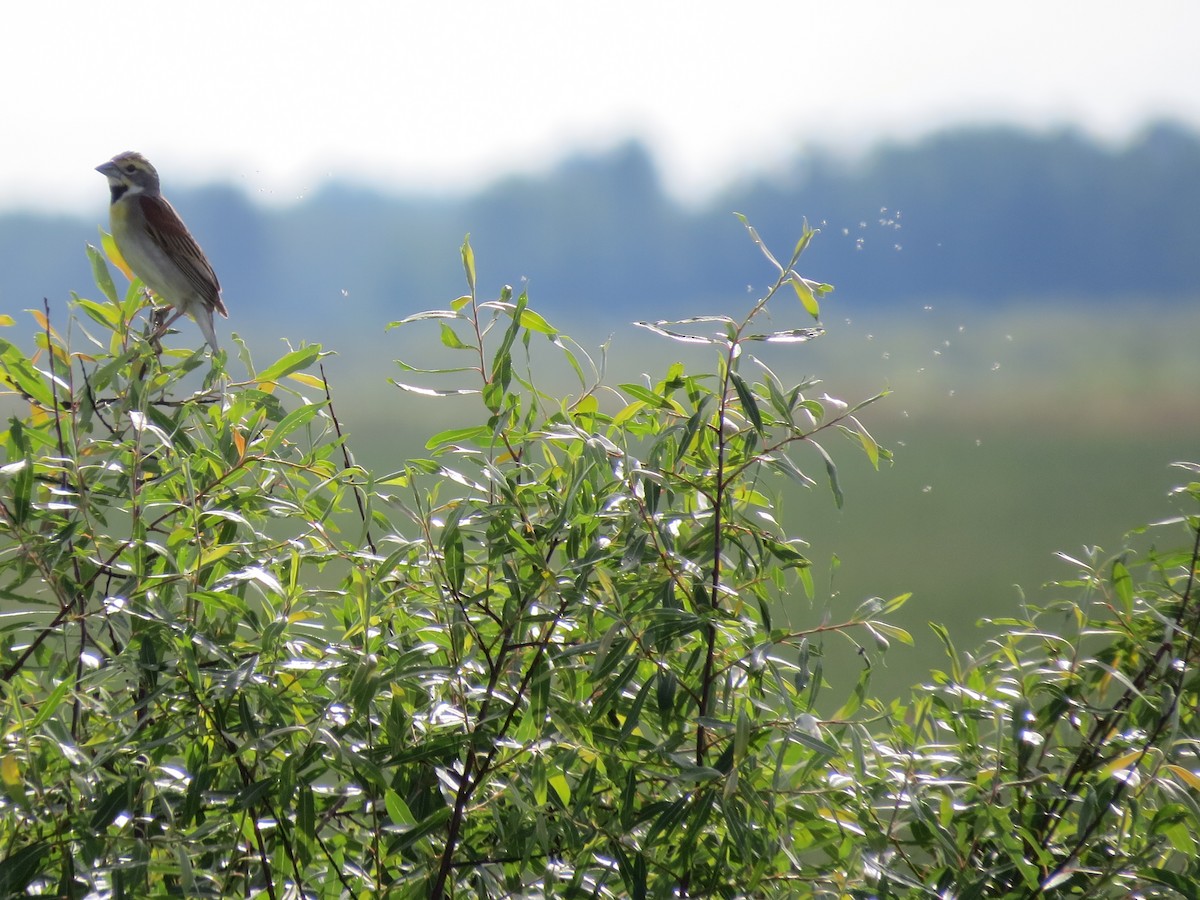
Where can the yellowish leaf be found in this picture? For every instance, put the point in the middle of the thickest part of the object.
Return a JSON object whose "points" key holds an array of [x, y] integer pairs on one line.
{"points": [[10, 769], [114, 255], [1122, 762], [311, 381], [1187, 776]]}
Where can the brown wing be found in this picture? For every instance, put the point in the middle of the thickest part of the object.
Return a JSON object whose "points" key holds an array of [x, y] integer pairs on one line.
{"points": [[172, 237]]}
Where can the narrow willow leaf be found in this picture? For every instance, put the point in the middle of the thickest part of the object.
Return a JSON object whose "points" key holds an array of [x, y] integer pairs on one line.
{"points": [[806, 296], [806, 235], [628, 412], [895, 603], [644, 394], [599, 667], [586, 405], [109, 245], [468, 258], [425, 316], [677, 335], [759, 241], [693, 320], [397, 809], [815, 743], [452, 340], [688, 435], [741, 736], [534, 322], [21, 374], [790, 336], [307, 380], [633, 715], [49, 705], [293, 420], [831, 471], [1188, 777], [455, 557], [561, 786], [1122, 583], [289, 363], [869, 445], [101, 275], [1121, 763], [431, 392], [10, 769], [749, 404]]}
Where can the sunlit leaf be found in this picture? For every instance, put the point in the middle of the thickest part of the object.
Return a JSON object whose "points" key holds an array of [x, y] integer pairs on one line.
{"points": [[289, 363], [307, 380], [468, 259], [806, 296], [100, 273], [109, 245], [451, 340]]}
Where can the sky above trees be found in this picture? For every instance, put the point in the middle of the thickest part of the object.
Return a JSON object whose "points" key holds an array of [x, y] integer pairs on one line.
{"points": [[277, 99]]}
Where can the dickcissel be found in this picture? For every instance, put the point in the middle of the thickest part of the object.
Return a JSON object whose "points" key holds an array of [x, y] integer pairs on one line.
{"points": [[157, 245]]}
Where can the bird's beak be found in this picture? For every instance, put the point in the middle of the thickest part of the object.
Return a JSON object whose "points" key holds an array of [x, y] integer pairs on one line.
{"points": [[109, 168]]}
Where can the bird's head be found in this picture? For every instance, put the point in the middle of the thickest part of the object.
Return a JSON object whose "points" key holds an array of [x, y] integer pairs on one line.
{"points": [[129, 172]]}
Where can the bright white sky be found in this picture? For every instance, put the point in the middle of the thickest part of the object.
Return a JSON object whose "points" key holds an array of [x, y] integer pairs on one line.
{"points": [[276, 97]]}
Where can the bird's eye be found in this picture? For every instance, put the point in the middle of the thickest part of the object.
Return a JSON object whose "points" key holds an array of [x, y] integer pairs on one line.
{"points": [[131, 169]]}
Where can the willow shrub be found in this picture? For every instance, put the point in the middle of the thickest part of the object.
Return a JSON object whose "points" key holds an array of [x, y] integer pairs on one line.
{"points": [[541, 661]]}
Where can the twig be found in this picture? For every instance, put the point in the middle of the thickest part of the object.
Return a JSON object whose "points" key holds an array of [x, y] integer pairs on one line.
{"points": [[337, 427]]}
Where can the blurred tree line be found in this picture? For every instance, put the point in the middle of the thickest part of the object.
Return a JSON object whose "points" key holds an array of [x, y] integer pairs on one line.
{"points": [[988, 214]]}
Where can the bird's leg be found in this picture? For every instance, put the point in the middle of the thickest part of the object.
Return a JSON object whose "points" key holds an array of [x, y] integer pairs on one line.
{"points": [[160, 321]]}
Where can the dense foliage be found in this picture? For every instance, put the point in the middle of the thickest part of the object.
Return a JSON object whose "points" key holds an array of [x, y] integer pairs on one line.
{"points": [[542, 661]]}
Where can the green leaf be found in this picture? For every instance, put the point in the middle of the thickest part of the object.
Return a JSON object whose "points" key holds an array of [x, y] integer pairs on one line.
{"points": [[101, 275], [749, 404], [49, 705], [1182, 884], [295, 419], [831, 471], [427, 315], [759, 241], [807, 233], [397, 809], [1122, 583], [534, 322], [645, 395], [451, 339], [24, 376], [454, 556], [291, 362], [114, 802], [806, 296], [468, 259], [869, 445], [20, 867], [475, 434]]}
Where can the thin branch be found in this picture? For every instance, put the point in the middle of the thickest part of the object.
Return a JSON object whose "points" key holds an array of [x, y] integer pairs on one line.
{"points": [[337, 427]]}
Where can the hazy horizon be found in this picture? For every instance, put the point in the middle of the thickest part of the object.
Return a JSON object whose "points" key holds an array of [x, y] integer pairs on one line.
{"points": [[431, 98]]}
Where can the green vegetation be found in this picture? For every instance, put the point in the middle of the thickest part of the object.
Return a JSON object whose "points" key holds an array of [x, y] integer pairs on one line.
{"points": [[546, 658]]}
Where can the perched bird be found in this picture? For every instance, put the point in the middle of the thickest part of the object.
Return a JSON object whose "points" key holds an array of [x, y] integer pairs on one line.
{"points": [[157, 245]]}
